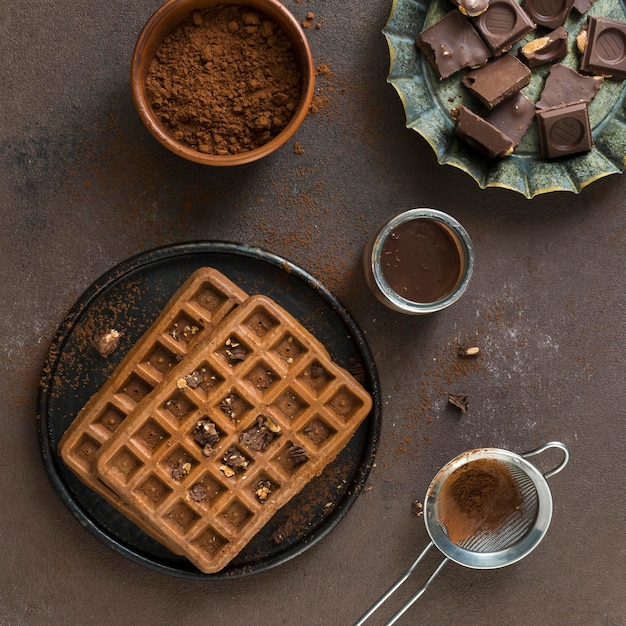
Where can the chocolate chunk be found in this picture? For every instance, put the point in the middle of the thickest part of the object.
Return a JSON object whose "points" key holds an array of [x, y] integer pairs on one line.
{"points": [[298, 454], [452, 44], [257, 437], [497, 80], [547, 49], [233, 458], [472, 8], [564, 130], [582, 6], [605, 52], [566, 86], [480, 134], [503, 24], [205, 435], [548, 13], [513, 117]]}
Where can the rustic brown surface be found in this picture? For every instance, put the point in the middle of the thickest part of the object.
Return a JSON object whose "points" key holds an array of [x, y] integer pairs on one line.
{"points": [[84, 185]]}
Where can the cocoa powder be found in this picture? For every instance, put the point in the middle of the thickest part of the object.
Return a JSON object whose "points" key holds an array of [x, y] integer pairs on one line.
{"points": [[225, 81], [478, 496]]}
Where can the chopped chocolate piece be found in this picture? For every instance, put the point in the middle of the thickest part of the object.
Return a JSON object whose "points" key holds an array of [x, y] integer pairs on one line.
{"points": [[298, 454], [497, 80], [180, 471], [452, 44], [107, 342], [472, 8], [605, 52], [480, 134], [257, 437], [205, 435], [503, 24], [234, 351], [564, 130], [548, 13], [459, 400], [194, 380], [233, 458], [513, 117], [546, 49], [198, 492], [582, 6], [566, 86]]}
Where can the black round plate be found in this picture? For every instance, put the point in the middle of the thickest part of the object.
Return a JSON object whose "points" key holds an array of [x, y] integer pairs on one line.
{"points": [[130, 296]]}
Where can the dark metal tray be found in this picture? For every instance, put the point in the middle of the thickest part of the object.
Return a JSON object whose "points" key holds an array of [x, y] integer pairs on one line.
{"points": [[129, 297]]}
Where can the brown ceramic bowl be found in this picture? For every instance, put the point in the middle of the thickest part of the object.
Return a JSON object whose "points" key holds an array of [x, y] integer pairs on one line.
{"points": [[164, 21]]}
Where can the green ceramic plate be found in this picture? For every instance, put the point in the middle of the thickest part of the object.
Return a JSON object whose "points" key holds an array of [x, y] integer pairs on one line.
{"points": [[428, 100]]}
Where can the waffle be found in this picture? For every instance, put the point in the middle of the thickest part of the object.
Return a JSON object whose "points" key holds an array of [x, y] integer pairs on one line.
{"points": [[205, 298], [210, 465]]}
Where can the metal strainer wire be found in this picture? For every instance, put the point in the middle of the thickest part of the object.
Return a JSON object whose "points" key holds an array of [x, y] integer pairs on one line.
{"points": [[496, 546]]}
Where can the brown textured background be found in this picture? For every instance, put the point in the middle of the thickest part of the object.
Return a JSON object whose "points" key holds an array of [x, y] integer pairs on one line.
{"points": [[83, 186]]}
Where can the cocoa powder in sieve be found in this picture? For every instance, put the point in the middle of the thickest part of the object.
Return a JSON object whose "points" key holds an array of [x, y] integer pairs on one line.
{"points": [[478, 496], [225, 81]]}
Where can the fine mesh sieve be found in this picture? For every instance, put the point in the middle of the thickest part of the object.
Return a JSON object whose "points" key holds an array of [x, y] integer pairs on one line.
{"points": [[497, 541]]}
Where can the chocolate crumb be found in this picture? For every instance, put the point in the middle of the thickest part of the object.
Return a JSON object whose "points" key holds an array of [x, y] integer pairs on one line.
{"points": [[233, 458], [206, 436], [298, 454], [107, 342], [180, 471], [257, 437], [264, 488], [459, 400], [193, 380], [198, 492]]}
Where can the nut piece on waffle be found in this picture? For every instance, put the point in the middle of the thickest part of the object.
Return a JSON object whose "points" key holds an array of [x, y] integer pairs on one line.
{"points": [[209, 466], [205, 298]]}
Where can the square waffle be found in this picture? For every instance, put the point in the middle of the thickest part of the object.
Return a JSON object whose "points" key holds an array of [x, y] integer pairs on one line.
{"points": [[205, 298], [210, 465]]}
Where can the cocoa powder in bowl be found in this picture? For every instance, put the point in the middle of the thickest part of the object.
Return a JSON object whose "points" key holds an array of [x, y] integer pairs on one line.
{"points": [[222, 83]]}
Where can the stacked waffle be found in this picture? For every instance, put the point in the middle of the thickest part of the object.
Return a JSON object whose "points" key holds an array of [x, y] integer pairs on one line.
{"points": [[222, 412]]}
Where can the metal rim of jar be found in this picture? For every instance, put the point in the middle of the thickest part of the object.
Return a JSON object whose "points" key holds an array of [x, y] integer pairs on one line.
{"points": [[390, 297]]}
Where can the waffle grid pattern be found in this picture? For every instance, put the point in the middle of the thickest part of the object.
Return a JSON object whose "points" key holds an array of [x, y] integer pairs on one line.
{"points": [[259, 369]]}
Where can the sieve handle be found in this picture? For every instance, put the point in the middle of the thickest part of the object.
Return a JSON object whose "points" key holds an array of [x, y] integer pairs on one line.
{"points": [[545, 446], [397, 584]]}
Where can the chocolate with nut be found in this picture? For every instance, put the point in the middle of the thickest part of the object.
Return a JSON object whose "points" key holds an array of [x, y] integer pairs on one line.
{"points": [[546, 49], [452, 44], [605, 50], [480, 134]]}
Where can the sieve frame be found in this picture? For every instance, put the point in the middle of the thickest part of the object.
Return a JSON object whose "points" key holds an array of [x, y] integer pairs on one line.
{"points": [[499, 558]]}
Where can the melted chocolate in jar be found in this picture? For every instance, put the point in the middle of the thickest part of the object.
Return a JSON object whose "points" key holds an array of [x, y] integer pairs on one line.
{"points": [[420, 260]]}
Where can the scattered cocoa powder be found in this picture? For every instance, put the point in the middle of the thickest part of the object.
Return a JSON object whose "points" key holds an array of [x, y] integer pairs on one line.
{"points": [[225, 81], [478, 496]]}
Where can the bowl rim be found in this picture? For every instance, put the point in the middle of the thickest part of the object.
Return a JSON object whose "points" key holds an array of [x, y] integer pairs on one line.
{"points": [[177, 10]]}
